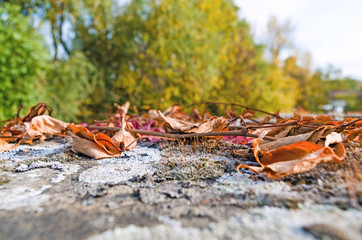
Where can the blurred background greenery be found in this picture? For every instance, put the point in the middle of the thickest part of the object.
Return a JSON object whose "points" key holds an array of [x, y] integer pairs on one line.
{"points": [[153, 53]]}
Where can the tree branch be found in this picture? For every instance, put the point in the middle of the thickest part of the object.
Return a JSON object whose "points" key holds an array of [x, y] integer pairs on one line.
{"points": [[241, 132], [233, 104], [60, 29], [55, 42]]}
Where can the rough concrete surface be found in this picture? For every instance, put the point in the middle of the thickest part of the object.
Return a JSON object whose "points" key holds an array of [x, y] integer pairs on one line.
{"points": [[166, 191]]}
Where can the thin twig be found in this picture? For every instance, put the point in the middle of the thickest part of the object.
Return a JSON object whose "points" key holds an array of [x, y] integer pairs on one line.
{"points": [[241, 132], [275, 125], [234, 104], [350, 123]]}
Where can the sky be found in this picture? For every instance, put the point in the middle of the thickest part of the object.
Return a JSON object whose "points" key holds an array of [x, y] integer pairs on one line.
{"points": [[331, 30]]}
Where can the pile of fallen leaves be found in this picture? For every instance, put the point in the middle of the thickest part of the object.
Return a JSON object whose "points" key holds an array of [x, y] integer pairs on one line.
{"points": [[281, 146]]}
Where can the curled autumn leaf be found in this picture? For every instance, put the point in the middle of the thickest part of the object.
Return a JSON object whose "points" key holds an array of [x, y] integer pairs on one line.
{"points": [[99, 145], [37, 110], [37, 128], [173, 125], [116, 119], [4, 146], [355, 135], [296, 157], [95, 146], [124, 139], [175, 111], [40, 125]]}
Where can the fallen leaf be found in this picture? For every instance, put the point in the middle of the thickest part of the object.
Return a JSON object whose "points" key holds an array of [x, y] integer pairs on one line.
{"points": [[95, 146], [37, 110], [295, 158], [115, 120], [333, 138], [267, 146], [355, 135], [172, 124], [35, 129], [124, 139], [4, 146], [44, 124], [214, 124]]}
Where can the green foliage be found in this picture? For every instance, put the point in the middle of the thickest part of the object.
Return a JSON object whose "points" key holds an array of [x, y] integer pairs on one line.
{"points": [[309, 85], [249, 80], [23, 61], [158, 53], [153, 53], [69, 83]]}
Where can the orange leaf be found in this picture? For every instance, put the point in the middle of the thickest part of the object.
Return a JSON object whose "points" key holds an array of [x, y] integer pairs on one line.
{"points": [[4, 146], [96, 146], [294, 158], [355, 135], [289, 152]]}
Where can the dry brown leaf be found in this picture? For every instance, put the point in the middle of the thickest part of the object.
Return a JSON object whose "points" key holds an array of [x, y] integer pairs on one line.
{"points": [[4, 146], [123, 110], [114, 120], [214, 124], [195, 115], [89, 148], [96, 146], [171, 124], [318, 133], [44, 124], [267, 146], [37, 110], [173, 111], [285, 132], [295, 158], [124, 139], [355, 135], [35, 129]]}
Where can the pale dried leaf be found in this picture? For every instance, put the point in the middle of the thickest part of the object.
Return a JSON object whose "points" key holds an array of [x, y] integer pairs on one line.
{"points": [[96, 146], [214, 124], [172, 124], [4, 146], [89, 148], [333, 138], [294, 158], [267, 146], [45, 124], [124, 139]]}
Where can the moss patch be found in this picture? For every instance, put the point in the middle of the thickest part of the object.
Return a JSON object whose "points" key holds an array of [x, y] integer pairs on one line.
{"points": [[194, 161]]}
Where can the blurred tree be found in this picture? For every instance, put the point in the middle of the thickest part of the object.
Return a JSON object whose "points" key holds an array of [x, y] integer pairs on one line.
{"points": [[310, 96], [178, 52], [69, 83], [23, 61], [248, 79], [337, 87], [155, 53], [56, 13], [279, 38], [169, 49]]}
